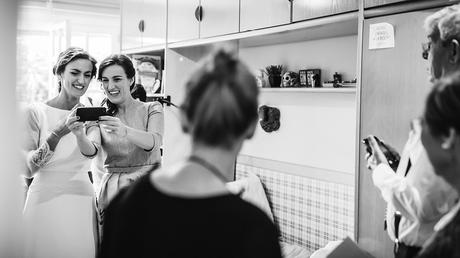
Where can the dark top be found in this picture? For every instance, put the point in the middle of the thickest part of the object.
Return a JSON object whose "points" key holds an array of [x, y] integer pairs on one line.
{"points": [[445, 243], [143, 222]]}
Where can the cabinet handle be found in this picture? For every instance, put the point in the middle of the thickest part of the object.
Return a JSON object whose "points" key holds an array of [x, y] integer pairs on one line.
{"points": [[141, 25], [199, 13]]}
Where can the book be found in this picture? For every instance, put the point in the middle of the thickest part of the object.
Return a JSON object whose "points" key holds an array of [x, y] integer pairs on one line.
{"points": [[149, 74], [348, 248]]}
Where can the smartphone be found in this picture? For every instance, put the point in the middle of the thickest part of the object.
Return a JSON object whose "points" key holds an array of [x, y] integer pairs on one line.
{"points": [[90, 113], [391, 155]]}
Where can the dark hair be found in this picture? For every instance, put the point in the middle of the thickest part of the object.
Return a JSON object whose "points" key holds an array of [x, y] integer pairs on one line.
{"points": [[69, 55], [139, 92], [442, 109], [221, 100], [127, 65]]}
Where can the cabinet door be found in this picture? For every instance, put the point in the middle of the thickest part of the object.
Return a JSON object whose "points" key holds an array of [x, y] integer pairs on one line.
{"points": [[275, 12], [308, 9], [393, 90], [182, 24], [219, 17], [130, 18], [154, 16]]}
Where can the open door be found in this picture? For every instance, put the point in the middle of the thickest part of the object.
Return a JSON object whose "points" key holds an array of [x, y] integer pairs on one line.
{"points": [[394, 87]]}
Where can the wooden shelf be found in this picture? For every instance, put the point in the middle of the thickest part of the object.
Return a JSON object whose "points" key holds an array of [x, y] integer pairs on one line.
{"points": [[327, 27], [311, 90]]}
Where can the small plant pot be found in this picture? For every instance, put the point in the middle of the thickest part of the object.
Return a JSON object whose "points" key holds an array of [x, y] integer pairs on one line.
{"points": [[274, 80]]}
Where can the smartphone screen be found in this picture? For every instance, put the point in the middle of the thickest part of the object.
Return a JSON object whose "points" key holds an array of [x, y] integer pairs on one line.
{"points": [[90, 113]]}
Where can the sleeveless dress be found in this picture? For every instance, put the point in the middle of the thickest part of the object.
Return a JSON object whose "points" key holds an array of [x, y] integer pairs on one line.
{"points": [[59, 213]]}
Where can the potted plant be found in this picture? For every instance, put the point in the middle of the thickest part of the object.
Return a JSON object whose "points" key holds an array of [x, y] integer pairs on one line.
{"points": [[274, 73]]}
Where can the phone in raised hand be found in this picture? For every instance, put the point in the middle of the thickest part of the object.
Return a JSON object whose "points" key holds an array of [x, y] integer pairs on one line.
{"points": [[90, 113]]}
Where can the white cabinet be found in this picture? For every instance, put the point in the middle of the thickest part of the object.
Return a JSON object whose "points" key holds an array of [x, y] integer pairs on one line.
{"points": [[143, 23], [256, 14], [182, 24], [219, 17], [130, 33], [192, 19], [308, 9], [154, 16]]}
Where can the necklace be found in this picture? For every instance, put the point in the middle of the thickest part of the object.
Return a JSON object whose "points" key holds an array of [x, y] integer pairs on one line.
{"points": [[213, 169]]}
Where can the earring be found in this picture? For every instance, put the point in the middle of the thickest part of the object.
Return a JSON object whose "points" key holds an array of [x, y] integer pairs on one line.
{"points": [[445, 145]]}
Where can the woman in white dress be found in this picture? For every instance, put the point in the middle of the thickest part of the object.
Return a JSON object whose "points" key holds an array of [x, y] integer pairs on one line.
{"points": [[59, 212]]}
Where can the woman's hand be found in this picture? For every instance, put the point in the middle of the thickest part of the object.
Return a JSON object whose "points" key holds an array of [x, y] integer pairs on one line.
{"points": [[113, 125], [377, 156], [66, 125], [76, 127]]}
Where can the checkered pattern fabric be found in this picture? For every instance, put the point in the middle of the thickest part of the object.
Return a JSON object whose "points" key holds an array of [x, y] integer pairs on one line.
{"points": [[308, 212]]}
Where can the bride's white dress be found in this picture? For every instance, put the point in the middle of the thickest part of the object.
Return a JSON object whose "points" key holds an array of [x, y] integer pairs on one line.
{"points": [[59, 213]]}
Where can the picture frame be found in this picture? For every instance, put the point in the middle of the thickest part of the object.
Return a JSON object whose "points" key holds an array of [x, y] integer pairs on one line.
{"points": [[149, 73], [303, 78], [314, 78]]}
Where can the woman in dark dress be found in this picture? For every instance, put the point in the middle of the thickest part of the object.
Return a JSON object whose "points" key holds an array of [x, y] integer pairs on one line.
{"points": [[186, 210]]}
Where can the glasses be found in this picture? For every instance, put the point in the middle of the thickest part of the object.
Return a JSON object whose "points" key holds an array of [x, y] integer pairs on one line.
{"points": [[426, 49]]}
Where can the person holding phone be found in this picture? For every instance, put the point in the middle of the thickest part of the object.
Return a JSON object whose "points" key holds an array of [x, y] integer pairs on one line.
{"points": [[131, 133], [186, 210], [416, 197], [60, 213]]}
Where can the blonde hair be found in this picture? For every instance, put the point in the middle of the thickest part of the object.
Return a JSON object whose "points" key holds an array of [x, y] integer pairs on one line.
{"points": [[444, 24]]}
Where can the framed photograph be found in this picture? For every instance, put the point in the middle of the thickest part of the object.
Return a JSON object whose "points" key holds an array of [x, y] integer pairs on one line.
{"points": [[314, 78], [149, 74], [303, 78]]}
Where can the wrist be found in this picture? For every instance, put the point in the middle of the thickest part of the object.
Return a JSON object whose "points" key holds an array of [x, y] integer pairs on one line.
{"points": [[126, 132], [56, 135]]}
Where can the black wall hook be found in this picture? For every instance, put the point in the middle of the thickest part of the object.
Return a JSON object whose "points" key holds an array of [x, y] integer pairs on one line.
{"points": [[165, 100]]}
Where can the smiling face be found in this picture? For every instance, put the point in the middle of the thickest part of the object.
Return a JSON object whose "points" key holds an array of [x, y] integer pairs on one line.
{"points": [[116, 84], [76, 77]]}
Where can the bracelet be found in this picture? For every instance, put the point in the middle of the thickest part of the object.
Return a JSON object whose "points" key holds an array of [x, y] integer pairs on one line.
{"points": [[55, 134]]}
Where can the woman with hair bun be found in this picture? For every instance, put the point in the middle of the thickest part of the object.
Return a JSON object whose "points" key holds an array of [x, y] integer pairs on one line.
{"points": [[60, 215], [186, 210]]}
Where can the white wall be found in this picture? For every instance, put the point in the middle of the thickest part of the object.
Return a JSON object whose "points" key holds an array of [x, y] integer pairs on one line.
{"points": [[317, 129], [11, 198]]}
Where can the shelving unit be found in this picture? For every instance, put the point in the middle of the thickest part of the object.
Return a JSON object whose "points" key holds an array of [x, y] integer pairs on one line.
{"points": [[310, 90], [334, 43]]}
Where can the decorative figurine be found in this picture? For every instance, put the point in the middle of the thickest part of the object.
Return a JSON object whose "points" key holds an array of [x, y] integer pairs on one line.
{"points": [[314, 78], [290, 79], [303, 78]]}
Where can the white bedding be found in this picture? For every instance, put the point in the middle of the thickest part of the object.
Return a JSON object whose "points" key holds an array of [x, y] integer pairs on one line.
{"points": [[294, 251]]}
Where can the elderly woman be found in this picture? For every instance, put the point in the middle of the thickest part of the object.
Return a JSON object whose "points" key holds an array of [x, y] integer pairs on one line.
{"points": [[416, 197]]}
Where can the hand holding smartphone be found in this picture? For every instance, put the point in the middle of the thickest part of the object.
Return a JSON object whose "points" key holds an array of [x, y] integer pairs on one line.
{"points": [[389, 152], [90, 113]]}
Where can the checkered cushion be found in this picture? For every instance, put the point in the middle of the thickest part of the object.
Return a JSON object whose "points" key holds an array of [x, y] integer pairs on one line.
{"points": [[308, 212]]}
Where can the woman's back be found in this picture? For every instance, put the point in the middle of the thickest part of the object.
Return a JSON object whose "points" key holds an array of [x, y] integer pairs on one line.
{"points": [[156, 224]]}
